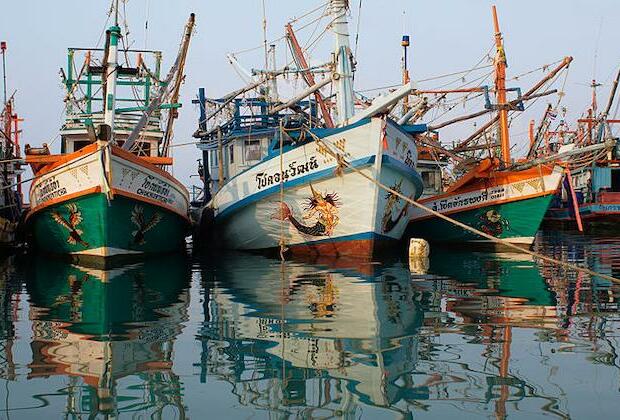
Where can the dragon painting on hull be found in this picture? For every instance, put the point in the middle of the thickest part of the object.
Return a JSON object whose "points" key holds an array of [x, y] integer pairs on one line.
{"points": [[388, 222], [320, 207]]}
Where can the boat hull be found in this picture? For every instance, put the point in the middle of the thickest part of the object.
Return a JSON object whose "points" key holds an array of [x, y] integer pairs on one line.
{"points": [[511, 211], [107, 229], [517, 224], [326, 210], [592, 214], [90, 210]]}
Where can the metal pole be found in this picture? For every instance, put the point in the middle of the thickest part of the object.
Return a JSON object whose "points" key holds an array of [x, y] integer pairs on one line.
{"points": [[3, 48]]}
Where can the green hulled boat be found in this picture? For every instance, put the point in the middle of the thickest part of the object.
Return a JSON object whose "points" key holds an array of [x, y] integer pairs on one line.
{"points": [[108, 193]]}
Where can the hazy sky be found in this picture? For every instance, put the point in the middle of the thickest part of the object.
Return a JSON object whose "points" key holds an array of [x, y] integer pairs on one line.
{"points": [[447, 36]]}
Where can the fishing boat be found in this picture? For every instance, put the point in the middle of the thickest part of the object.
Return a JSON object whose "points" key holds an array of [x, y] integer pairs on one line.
{"points": [[281, 181], [590, 192], [492, 196], [108, 192], [10, 167]]}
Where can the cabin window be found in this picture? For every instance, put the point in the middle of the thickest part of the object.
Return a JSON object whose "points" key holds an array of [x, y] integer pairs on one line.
{"points": [[80, 144], [252, 150], [231, 153], [431, 181]]}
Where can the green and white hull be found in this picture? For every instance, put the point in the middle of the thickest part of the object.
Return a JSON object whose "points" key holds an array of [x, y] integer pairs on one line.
{"points": [[517, 222], [511, 211], [75, 212]]}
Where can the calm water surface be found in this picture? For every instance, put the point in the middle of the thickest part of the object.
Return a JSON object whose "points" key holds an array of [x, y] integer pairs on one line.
{"points": [[245, 336]]}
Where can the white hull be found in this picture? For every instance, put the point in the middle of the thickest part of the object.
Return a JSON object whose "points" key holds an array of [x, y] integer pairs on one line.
{"points": [[249, 216]]}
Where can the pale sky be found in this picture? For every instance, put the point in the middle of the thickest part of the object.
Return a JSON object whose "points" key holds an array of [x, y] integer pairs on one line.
{"points": [[447, 36]]}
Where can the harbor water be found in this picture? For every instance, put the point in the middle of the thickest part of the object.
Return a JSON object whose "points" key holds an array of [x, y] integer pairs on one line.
{"points": [[245, 336]]}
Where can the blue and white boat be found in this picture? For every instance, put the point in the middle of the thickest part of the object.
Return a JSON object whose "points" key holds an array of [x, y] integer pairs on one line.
{"points": [[276, 167]]}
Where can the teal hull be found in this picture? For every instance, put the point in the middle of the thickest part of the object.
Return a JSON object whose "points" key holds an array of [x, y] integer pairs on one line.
{"points": [[516, 222], [90, 226]]}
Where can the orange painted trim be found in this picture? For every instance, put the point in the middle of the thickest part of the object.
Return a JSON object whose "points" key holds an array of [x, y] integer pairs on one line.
{"points": [[497, 179], [128, 194], [158, 160], [123, 154], [63, 198], [488, 203], [62, 159], [42, 159]]}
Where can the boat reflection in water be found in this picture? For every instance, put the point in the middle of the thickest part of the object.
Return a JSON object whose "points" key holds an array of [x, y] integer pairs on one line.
{"points": [[481, 334], [310, 338], [9, 300], [98, 327]]}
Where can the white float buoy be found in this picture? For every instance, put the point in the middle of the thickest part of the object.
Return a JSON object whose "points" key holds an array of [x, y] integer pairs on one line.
{"points": [[418, 248]]}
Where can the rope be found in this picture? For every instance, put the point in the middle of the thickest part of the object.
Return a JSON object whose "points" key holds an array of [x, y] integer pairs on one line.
{"points": [[475, 231], [282, 245]]}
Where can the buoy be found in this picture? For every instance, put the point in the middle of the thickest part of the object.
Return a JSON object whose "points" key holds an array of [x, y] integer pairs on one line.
{"points": [[419, 265], [418, 248]]}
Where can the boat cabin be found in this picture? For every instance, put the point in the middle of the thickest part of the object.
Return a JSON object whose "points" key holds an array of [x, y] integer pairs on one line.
{"points": [[248, 137], [137, 82]]}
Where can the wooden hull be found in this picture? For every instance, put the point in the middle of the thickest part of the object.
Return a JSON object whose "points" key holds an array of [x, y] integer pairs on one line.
{"points": [[87, 209], [512, 211], [325, 211]]}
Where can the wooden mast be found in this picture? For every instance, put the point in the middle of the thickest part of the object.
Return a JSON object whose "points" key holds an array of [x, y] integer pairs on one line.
{"points": [[500, 89]]}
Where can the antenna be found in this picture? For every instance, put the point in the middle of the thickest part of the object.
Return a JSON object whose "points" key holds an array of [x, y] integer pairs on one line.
{"points": [[3, 49]]}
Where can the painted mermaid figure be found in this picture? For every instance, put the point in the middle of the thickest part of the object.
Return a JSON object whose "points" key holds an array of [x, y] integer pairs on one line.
{"points": [[323, 208]]}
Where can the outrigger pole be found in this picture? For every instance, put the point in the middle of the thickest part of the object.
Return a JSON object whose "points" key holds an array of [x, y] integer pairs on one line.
{"points": [[307, 75], [159, 98], [173, 114]]}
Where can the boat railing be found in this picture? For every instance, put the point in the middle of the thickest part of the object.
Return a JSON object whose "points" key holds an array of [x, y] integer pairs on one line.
{"points": [[123, 121]]}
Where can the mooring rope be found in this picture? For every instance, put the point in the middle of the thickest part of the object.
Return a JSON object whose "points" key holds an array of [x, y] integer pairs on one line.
{"points": [[282, 244], [341, 161]]}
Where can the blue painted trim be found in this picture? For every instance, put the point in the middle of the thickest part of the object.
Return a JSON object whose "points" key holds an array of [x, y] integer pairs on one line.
{"points": [[326, 132], [325, 173], [412, 174], [413, 128]]}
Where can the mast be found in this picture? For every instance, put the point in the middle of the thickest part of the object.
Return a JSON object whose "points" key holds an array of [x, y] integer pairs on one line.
{"points": [[500, 89], [111, 70], [174, 98], [405, 44], [344, 67]]}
